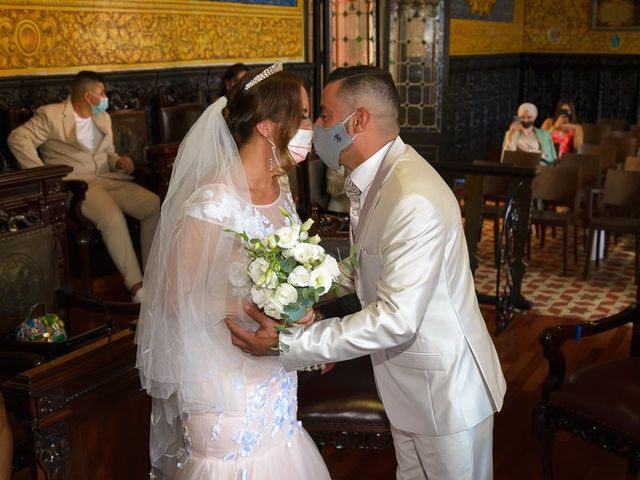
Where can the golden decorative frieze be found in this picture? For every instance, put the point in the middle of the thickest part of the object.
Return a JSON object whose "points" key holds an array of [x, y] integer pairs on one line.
{"points": [[479, 37], [60, 39], [563, 26], [481, 7]]}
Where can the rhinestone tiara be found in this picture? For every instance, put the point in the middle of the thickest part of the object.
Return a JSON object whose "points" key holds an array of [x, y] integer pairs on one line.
{"points": [[267, 72]]}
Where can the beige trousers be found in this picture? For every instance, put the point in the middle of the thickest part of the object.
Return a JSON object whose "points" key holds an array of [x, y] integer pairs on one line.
{"points": [[106, 200], [466, 455]]}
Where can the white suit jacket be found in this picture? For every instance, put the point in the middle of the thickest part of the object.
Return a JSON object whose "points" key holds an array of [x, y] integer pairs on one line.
{"points": [[435, 365], [52, 129]]}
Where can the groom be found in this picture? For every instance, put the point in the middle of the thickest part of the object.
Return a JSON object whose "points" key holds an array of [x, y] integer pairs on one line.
{"points": [[435, 365]]}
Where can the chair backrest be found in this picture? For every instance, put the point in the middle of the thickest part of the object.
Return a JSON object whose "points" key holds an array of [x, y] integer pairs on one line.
{"points": [[616, 123], [589, 166], [522, 159], [607, 154], [632, 164], [624, 144], [622, 189], [130, 134], [557, 184], [593, 133], [176, 120]]}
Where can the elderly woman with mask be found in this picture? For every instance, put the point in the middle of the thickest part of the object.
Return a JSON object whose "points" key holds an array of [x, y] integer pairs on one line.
{"points": [[522, 135]]}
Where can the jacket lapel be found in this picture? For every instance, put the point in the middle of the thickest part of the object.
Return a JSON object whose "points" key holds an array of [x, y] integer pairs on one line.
{"points": [[69, 123], [386, 167]]}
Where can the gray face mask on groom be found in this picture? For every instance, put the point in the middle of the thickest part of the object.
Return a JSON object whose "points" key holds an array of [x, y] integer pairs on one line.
{"points": [[330, 142]]}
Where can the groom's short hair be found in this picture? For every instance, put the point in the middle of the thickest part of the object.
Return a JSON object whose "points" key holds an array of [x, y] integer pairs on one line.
{"points": [[371, 86]]}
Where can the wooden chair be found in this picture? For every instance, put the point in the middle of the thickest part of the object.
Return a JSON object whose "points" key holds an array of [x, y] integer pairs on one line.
{"points": [[632, 164], [607, 154], [624, 144], [589, 168], [616, 123], [342, 408], [558, 187], [176, 120], [618, 212], [599, 402], [594, 133]]}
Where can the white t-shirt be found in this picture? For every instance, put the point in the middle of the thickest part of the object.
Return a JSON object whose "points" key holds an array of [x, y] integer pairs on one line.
{"points": [[87, 132]]}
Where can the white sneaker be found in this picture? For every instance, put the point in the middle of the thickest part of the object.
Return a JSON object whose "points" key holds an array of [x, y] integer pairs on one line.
{"points": [[139, 296]]}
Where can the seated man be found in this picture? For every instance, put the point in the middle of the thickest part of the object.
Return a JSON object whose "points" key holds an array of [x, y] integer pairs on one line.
{"points": [[77, 133]]}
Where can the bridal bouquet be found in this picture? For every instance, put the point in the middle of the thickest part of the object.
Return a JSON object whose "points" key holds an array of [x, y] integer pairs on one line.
{"points": [[289, 271]]}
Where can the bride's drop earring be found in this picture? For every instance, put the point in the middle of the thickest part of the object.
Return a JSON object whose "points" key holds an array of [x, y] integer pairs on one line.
{"points": [[270, 161]]}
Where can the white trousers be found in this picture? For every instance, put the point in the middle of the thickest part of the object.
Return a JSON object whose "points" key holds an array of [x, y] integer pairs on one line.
{"points": [[466, 455], [105, 202]]}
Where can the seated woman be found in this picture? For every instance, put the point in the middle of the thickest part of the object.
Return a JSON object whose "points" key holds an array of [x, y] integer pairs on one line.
{"points": [[565, 130], [523, 136]]}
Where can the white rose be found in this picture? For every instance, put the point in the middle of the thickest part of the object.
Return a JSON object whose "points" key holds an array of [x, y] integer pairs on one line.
{"points": [[274, 309], [288, 236], [286, 294], [320, 278], [331, 266], [260, 296], [257, 269], [238, 274], [299, 277], [306, 252]]}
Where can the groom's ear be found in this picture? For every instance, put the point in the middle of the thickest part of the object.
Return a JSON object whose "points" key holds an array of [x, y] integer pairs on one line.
{"points": [[362, 117]]}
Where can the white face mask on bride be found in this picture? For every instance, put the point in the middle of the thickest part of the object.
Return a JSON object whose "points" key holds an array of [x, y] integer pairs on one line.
{"points": [[300, 145]]}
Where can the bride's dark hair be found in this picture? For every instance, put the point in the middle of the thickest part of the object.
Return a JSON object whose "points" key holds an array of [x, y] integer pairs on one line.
{"points": [[276, 98]]}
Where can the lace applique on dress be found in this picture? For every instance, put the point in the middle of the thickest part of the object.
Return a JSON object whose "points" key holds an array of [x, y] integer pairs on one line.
{"points": [[259, 412]]}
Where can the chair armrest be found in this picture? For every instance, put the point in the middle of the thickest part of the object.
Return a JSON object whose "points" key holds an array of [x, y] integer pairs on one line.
{"points": [[76, 187], [553, 338]]}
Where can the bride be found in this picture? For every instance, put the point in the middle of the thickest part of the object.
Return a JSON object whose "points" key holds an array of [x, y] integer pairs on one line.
{"points": [[219, 413]]}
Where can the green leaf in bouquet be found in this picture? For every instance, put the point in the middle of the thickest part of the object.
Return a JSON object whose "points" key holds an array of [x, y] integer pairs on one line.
{"points": [[288, 264], [282, 329], [295, 311]]}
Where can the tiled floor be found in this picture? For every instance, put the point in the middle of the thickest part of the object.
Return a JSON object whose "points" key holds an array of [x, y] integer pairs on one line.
{"points": [[608, 289]]}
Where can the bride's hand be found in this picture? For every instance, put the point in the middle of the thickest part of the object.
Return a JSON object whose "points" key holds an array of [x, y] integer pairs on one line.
{"points": [[308, 319]]}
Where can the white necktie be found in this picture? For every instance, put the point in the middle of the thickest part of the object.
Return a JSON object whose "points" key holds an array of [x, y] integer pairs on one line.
{"points": [[353, 193]]}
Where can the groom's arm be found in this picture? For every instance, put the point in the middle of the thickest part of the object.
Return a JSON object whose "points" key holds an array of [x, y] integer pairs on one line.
{"points": [[413, 246]]}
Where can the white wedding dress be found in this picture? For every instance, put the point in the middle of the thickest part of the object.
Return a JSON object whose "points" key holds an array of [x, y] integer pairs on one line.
{"points": [[260, 437]]}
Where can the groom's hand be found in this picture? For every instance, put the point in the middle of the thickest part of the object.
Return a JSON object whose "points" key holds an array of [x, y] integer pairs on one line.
{"points": [[263, 341]]}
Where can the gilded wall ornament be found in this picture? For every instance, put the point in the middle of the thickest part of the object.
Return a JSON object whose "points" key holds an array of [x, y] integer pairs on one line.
{"points": [[59, 39], [481, 7]]}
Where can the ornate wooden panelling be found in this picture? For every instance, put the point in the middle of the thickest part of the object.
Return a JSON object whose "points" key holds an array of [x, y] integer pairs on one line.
{"points": [[484, 92], [125, 90], [482, 97], [42, 36], [602, 85]]}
